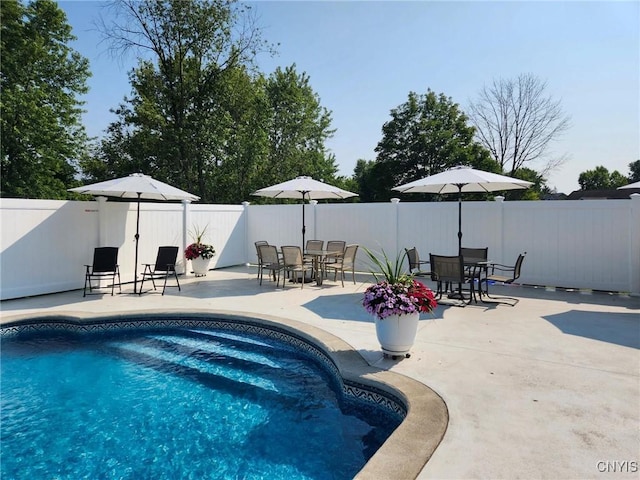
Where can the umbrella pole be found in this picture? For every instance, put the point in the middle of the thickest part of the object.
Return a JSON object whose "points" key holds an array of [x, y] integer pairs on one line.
{"points": [[459, 219], [304, 228], [135, 267], [460, 234]]}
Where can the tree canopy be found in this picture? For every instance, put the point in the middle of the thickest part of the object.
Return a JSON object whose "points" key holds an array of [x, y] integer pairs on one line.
{"points": [[40, 113], [425, 135], [199, 117], [600, 179], [634, 169]]}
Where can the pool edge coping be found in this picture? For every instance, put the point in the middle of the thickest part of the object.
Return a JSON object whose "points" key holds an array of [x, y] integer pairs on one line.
{"points": [[407, 450]]}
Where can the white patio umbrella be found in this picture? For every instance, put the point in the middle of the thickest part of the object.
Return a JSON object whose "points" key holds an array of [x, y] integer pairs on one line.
{"points": [[304, 188], [631, 185], [136, 186], [459, 180]]}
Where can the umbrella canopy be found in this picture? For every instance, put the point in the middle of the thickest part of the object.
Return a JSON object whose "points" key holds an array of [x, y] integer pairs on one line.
{"points": [[304, 188], [462, 179], [136, 186], [631, 185]]}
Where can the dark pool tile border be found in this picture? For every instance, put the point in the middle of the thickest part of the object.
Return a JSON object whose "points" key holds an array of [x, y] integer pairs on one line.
{"points": [[403, 455]]}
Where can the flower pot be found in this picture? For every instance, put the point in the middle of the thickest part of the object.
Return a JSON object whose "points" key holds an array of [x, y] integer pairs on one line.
{"points": [[396, 333], [200, 266]]}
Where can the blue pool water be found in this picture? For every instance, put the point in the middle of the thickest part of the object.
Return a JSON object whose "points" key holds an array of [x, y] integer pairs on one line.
{"points": [[177, 404]]}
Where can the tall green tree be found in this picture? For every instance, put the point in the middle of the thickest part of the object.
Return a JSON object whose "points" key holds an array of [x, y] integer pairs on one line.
{"points": [[247, 144], [298, 127], [199, 116], [533, 192], [40, 112], [426, 135], [634, 169], [179, 120], [600, 179]]}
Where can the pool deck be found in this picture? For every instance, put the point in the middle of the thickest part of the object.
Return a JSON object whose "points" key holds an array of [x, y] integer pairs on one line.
{"points": [[548, 389]]}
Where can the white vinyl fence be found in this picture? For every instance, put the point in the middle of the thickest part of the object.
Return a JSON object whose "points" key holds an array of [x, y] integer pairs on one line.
{"points": [[589, 244]]}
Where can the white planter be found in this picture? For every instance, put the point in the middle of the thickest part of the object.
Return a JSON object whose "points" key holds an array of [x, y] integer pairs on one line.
{"points": [[397, 333], [200, 266]]}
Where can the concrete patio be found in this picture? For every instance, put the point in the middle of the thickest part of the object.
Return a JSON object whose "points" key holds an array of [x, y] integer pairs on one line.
{"points": [[548, 389]]}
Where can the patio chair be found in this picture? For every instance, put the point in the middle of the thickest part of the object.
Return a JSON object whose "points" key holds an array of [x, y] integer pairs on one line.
{"points": [[257, 244], [344, 263], [505, 274], [334, 246], [450, 270], [295, 264], [414, 263], [471, 256], [270, 261], [164, 267], [314, 245], [104, 266]]}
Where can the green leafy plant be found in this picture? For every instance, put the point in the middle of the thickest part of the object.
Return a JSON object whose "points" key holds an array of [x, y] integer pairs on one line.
{"points": [[198, 248], [397, 292], [391, 271]]}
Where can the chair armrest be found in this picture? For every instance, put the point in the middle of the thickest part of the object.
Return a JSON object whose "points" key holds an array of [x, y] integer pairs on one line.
{"points": [[501, 267]]}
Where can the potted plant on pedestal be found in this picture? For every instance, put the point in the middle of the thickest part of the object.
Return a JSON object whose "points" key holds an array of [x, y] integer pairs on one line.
{"points": [[396, 301], [199, 253]]}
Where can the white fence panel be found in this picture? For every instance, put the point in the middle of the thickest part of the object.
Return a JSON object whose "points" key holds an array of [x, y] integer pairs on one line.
{"points": [[432, 227], [277, 224], [575, 244], [160, 224], [44, 245], [225, 230], [370, 225]]}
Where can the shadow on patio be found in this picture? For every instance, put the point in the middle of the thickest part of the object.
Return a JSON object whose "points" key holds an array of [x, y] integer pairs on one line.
{"points": [[348, 306], [617, 328]]}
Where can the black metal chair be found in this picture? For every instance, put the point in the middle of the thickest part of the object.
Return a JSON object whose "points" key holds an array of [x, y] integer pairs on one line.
{"points": [[164, 267], [503, 274], [474, 255], [104, 266], [450, 270], [415, 263]]}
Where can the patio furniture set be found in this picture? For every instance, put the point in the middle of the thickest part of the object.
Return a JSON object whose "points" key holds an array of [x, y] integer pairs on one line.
{"points": [[314, 263], [315, 260], [452, 272], [455, 275]]}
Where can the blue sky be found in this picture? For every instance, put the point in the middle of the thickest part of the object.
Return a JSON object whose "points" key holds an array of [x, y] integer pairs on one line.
{"points": [[363, 58]]}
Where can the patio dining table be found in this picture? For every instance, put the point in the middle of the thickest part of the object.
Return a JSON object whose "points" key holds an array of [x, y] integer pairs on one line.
{"points": [[318, 257]]}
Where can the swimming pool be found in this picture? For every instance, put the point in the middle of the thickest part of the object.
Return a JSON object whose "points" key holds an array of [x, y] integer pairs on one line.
{"points": [[153, 397]]}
